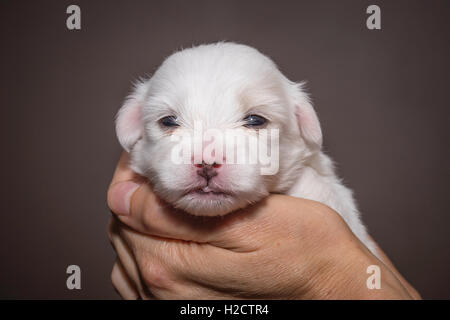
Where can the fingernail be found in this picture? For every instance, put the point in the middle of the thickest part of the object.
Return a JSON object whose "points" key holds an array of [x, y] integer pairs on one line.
{"points": [[120, 197]]}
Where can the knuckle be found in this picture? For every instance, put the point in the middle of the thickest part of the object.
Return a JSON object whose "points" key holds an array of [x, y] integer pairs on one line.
{"points": [[155, 275]]}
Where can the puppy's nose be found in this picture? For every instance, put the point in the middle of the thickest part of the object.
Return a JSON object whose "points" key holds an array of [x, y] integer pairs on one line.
{"points": [[206, 170]]}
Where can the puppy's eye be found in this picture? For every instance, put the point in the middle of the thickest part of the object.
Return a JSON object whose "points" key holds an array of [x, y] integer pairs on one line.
{"points": [[254, 120], [170, 121]]}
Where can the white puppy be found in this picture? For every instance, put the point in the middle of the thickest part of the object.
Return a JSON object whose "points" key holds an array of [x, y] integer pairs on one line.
{"points": [[228, 87]]}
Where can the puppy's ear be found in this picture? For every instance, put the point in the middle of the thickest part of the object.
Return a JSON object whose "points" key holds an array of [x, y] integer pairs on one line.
{"points": [[307, 120], [129, 126]]}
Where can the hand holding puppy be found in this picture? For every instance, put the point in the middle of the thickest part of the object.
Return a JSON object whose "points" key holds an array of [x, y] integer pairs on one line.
{"points": [[281, 248]]}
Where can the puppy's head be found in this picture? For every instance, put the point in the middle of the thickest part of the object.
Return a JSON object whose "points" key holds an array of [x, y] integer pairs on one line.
{"points": [[218, 127]]}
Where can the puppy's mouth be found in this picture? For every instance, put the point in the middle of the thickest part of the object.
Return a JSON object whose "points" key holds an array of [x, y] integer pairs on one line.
{"points": [[208, 193]]}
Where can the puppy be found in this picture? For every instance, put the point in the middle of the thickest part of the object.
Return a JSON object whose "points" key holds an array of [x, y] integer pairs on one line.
{"points": [[228, 88]]}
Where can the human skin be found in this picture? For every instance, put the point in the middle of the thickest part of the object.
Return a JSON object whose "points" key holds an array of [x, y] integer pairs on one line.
{"points": [[280, 248]]}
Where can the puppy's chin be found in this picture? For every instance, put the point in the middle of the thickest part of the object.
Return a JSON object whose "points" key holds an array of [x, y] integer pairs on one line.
{"points": [[209, 204]]}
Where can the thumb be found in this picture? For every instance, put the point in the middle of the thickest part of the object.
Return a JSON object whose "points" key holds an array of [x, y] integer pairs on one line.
{"points": [[122, 187]]}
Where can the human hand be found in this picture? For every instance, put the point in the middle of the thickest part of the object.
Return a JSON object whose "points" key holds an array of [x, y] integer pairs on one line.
{"points": [[279, 248]]}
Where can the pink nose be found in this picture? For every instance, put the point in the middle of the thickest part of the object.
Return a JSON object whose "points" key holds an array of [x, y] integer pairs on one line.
{"points": [[204, 164], [206, 170]]}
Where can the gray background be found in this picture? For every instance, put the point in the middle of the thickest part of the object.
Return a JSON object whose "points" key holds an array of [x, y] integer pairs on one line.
{"points": [[382, 97]]}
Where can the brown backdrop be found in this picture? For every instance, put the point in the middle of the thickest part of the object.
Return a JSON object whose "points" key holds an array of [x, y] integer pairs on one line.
{"points": [[382, 97]]}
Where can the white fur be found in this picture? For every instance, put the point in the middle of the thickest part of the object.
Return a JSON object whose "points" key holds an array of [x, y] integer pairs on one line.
{"points": [[218, 84]]}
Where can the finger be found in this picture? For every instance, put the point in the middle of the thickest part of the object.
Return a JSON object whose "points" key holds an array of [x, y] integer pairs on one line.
{"points": [[162, 261], [122, 283], [149, 215], [172, 269], [123, 184], [126, 258]]}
